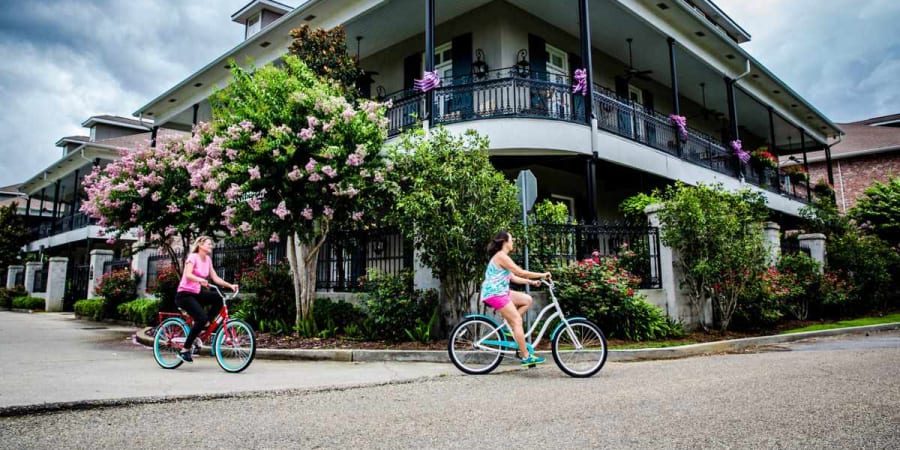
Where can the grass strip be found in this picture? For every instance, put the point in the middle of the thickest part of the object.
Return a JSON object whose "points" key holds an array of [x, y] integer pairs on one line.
{"points": [[863, 321]]}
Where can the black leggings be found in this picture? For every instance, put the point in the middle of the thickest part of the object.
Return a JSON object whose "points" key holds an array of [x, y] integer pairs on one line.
{"points": [[191, 303]]}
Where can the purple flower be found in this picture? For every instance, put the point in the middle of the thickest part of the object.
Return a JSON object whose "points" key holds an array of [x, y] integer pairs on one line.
{"points": [[307, 213]]}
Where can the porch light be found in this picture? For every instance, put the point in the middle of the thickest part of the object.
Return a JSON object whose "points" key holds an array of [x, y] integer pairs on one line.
{"points": [[523, 67], [479, 67]]}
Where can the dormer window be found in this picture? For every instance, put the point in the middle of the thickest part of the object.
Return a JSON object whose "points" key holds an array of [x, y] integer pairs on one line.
{"points": [[93, 134], [254, 24]]}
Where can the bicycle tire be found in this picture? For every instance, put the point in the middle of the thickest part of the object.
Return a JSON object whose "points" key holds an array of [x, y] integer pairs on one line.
{"points": [[588, 360], [462, 351], [234, 346], [165, 342]]}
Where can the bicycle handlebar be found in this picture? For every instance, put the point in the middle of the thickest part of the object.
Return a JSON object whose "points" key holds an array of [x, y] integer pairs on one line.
{"points": [[233, 295]]}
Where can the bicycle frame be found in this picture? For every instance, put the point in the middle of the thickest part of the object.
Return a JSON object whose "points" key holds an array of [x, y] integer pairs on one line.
{"points": [[220, 319], [512, 346]]}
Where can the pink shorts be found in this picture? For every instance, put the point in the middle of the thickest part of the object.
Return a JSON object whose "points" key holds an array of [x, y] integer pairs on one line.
{"points": [[497, 301]]}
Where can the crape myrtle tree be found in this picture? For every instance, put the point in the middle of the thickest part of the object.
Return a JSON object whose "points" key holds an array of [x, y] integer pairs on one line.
{"points": [[298, 161], [450, 202], [161, 191], [719, 238]]}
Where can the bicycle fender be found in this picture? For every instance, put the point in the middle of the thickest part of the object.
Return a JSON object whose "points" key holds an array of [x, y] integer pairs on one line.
{"points": [[482, 316], [559, 327]]}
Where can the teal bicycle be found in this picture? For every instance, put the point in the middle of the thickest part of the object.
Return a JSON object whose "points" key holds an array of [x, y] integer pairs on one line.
{"points": [[478, 343]]}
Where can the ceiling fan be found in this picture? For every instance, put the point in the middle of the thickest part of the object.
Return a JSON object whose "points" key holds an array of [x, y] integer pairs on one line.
{"points": [[631, 71]]}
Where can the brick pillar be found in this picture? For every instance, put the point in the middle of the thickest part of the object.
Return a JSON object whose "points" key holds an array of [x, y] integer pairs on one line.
{"points": [[30, 268], [98, 257], [773, 241], [815, 243], [56, 283], [11, 275]]}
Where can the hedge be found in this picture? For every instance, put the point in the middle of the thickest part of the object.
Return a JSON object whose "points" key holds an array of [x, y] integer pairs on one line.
{"points": [[143, 311], [91, 308], [28, 303]]}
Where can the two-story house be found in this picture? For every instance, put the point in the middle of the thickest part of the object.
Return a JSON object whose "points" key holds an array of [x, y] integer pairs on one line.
{"points": [[508, 69]]}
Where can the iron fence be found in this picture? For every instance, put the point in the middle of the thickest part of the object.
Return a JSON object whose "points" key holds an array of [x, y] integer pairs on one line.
{"points": [[20, 278], [39, 284], [116, 264], [345, 257], [555, 245]]}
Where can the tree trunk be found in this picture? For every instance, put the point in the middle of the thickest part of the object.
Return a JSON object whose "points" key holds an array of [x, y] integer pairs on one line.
{"points": [[303, 273]]}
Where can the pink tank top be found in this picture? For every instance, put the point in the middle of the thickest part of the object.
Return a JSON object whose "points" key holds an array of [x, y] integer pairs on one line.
{"points": [[201, 269]]}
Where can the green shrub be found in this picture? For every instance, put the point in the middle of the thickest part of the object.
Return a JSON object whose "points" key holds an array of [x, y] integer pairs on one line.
{"points": [[793, 283], [273, 291], [8, 294], [117, 287], [394, 305], [604, 292], [143, 311], [91, 308], [755, 309], [166, 285], [340, 314], [26, 302], [870, 265]]}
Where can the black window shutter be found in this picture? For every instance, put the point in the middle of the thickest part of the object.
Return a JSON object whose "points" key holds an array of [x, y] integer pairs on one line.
{"points": [[648, 99], [462, 74], [412, 69], [537, 54], [622, 87]]}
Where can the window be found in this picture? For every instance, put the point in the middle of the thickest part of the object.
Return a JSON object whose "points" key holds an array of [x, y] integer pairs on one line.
{"points": [[254, 24], [557, 64]]}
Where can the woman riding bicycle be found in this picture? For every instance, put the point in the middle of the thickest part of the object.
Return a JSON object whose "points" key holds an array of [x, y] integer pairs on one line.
{"points": [[197, 268], [496, 293]]}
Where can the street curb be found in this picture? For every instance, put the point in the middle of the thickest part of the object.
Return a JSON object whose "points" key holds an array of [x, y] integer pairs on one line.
{"points": [[645, 354]]}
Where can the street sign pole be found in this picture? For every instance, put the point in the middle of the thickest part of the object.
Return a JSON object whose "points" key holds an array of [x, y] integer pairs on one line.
{"points": [[527, 185]]}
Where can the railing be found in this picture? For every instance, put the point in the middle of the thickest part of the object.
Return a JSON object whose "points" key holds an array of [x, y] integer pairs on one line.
{"points": [[116, 264], [556, 245], [49, 226], [346, 257], [507, 93]]}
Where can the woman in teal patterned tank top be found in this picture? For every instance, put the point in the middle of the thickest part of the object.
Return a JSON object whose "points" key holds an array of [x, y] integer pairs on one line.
{"points": [[501, 270]]}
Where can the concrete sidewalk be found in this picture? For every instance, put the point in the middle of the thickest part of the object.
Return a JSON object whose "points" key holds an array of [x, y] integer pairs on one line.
{"points": [[440, 356]]}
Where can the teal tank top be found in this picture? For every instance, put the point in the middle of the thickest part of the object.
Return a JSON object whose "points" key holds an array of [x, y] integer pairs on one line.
{"points": [[496, 281]]}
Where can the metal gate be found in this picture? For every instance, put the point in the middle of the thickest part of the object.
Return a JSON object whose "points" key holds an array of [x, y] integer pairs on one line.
{"points": [[76, 284]]}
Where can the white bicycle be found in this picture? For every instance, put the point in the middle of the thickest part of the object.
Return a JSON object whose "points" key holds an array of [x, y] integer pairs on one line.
{"points": [[478, 343]]}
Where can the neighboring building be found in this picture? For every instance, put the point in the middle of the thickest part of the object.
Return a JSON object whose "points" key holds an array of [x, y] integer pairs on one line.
{"points": [[508, 70], [868, 152], [61, 229]]}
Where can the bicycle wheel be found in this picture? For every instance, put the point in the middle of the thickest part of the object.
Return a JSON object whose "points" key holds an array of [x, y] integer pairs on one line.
{"points": [[169, 340], [234, 346], [463, 352], [585, 360]]}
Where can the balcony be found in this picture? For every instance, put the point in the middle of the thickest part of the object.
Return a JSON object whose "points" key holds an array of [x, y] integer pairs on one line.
{"points": [[70, 222], [511, 93]]}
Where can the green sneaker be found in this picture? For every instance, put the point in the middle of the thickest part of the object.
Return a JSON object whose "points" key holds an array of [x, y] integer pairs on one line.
{"points": [[533, 360]]}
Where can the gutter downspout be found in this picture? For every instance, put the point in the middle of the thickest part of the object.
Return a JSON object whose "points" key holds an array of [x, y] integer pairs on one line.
{"points": [[746, 72]]}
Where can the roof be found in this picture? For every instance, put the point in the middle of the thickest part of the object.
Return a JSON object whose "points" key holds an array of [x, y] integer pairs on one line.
{"points": [[117, 121], [862, 138], [883, 120], [73, 140], [255, 6], [11, 189], [133, 141]]}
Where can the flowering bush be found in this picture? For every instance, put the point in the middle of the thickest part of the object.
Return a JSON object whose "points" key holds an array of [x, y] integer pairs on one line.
{"points": [[763, 158], [117, 287], [166, 285], [273, 298], [792, 284], [604, 292], [796, 173]]}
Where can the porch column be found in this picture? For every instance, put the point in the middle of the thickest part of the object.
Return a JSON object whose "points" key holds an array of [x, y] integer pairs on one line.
{"points": [[27, 206], [805, 164], [56, 283], [11, 274], [41, 210], [195, 108], [732, 117], [772, 129], [828, 164], [30, 268], [815, 243], [153, 133], [773, 241], [585, 29], [74, 202], [55, 208], [673, 73], [429, 57], [590, 178], [98, 257]]}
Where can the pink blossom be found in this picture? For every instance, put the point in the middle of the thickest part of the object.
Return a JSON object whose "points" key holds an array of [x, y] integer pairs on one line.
{"points": [[348, 114], [312, 121], [307, 213], [328, 212], [155, 196], [274, 238], [245, 227], [143, 192], [256, 136], [253, 203], [254, 172], [354, 160], [111, 241], [314, 177], [306, 134], [295, 174], [170, 231], [281, 211], [231, 153], [233, 192], [311, 165], [276, 153], [259, 246], [246, 125], [357, 216], [378, 178], [328, 170]]}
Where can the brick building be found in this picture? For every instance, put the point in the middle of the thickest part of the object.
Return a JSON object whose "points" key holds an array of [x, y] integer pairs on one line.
{"points": [[869, 151]]}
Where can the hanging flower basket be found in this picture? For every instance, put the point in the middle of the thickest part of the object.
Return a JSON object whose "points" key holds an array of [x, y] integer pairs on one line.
{"points": [[796, 173], [761, 158]]}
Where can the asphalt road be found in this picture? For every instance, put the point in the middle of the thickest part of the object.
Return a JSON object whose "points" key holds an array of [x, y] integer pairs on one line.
{"points": [[826, 393]]}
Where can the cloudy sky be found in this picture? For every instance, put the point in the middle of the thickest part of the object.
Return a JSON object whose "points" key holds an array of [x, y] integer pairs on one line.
{"points": [[66, 60]]}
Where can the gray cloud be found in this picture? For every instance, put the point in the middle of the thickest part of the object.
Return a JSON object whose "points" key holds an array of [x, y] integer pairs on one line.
{"points": [[841, 55]]}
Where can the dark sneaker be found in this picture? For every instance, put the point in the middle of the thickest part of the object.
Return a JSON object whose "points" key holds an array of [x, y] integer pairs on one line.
{"points": [[186, 356], [195, 349], [533, 360]]}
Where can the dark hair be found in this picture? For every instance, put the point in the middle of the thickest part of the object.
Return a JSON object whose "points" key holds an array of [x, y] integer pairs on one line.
{"points": [[497, 243]]}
